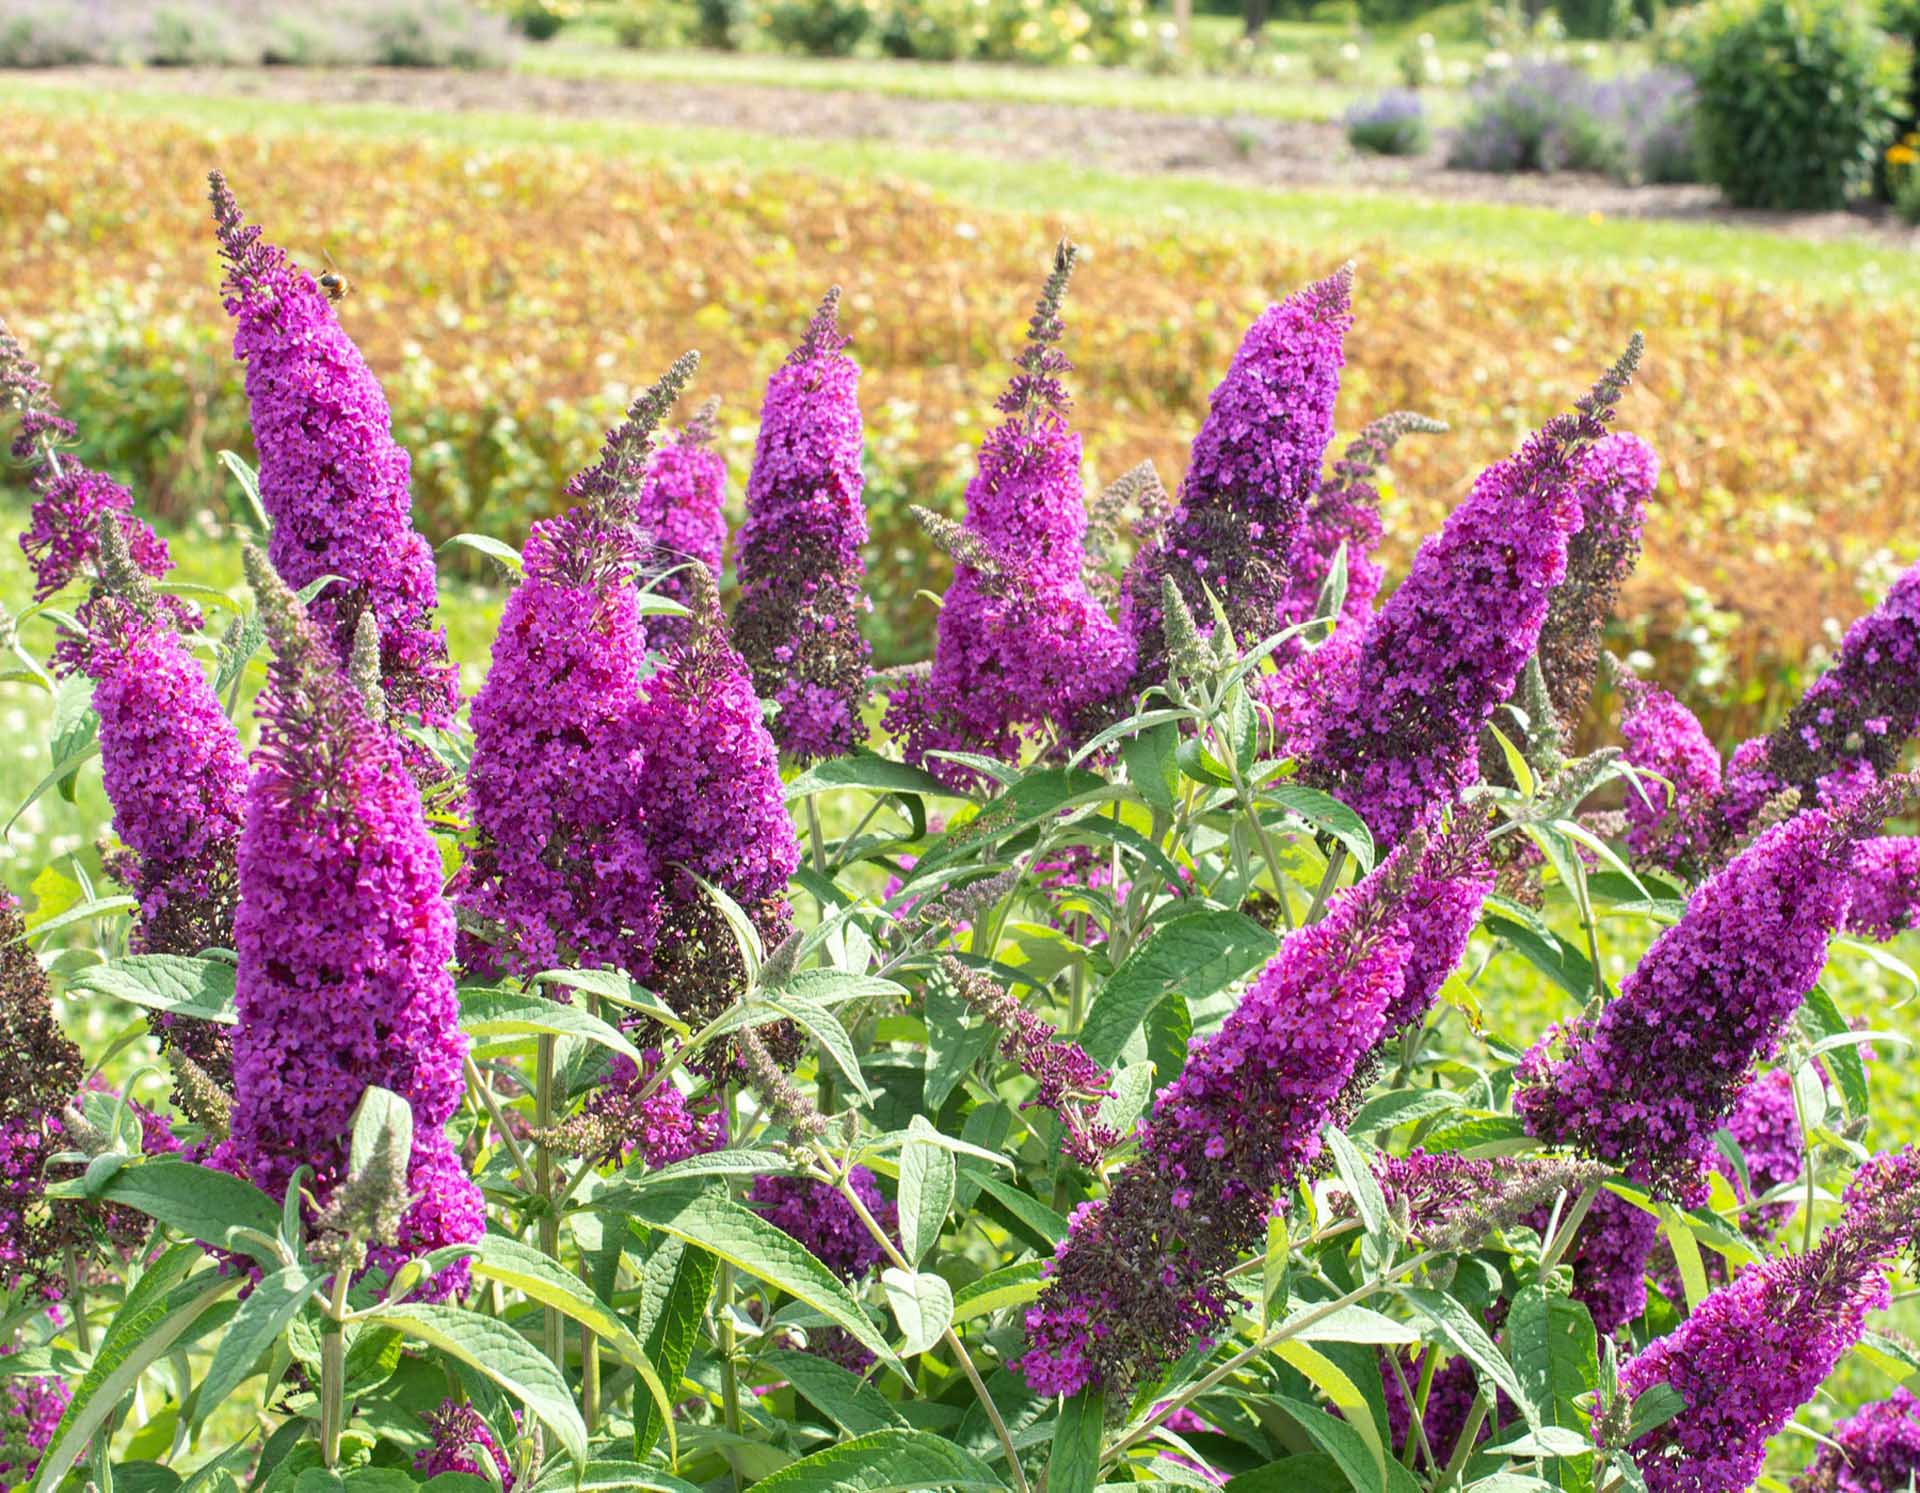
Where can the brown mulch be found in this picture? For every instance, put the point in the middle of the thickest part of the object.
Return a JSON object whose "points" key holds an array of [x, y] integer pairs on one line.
{"points": [[1250, 150]]}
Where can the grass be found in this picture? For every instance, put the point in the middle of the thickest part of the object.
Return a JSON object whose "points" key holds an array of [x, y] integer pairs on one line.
{"points": [[1463, 232]]}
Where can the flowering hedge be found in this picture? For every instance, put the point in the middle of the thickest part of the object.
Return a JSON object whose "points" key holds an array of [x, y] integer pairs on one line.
{"points": [[698, 1061], [509, 346]]}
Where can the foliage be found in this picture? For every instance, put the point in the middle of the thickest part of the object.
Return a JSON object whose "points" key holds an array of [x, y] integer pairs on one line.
{"points": [[1552, 116], [1394, 124], [822, 28], [1794, 100], [1903, 177]]}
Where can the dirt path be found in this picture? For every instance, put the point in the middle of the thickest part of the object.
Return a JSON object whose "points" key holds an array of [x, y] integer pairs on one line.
{"points": [[1250, 150]]}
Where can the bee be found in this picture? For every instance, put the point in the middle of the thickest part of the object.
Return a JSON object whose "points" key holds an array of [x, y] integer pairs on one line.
{"points": [[335, 284]]}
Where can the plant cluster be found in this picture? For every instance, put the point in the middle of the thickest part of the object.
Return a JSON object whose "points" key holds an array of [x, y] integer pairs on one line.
{"points": [[650, 1073], [1553, 116], [1395, 124]]}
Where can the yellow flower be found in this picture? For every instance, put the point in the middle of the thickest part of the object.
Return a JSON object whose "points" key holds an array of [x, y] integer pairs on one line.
{"points": [[1902, 155]]}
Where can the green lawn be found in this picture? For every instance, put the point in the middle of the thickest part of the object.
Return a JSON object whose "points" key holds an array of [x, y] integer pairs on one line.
{"points": [[1470, 232]]}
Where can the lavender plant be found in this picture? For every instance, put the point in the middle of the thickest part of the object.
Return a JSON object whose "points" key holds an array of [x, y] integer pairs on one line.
{"points": [[1106, 1095]]}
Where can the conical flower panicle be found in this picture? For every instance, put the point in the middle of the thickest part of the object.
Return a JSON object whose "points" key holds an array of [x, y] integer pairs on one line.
{"points": [[1754, 1351], [1142, 1273], [332, 478], [563, 872], [1886, 888], [1026, 651], [1874, 1450], [40, 1072], [802, 581], [1674, 823], [710, 798], [1646, 1083], [1442, 908], [1617, 478], [344, 942], [682, 509], [1253, 470], [1400, 735]]}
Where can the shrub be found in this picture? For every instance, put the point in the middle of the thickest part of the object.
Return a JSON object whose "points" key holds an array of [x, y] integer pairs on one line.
{"points": [[1534, 117], [1394, 124], [1903, 177], [654, 25], [1654, 115], [1794, 103], [820, 28]]}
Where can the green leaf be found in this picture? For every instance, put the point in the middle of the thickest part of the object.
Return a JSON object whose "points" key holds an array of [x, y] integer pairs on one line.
{"points": [[851, 1403], [1557, 1356], [1653, 1407], [382, 1133], [197, 1202], [1332, 1381], [262, 1317], [884, 1462], [815, 1020], [1074, 1466], [1037, 797], [141, 1335], [1399, 1107], [616, 986], [1686, 1254], [1361, 1185], [926, 1192], [199, 988], [610, 1477], [85, 912], [1540, 946], [864, 770], [744, 1239], [1149, 757], [707, 1164], [1465, 1335], [1041, 1222], [486, 544], [503, 1013], [500, 1353], [1822, 1018], [922, 1305], [1011, 1285], [255, 516], [1196, 955], [675, 1285], [1328, 814], [1516, 761], [1347, 1447]]}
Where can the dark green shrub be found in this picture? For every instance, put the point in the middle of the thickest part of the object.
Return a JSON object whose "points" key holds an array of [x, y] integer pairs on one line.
{"points": [[1794, 105], [821, 28]]}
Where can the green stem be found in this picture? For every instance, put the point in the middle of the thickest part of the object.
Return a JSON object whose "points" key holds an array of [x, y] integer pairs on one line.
{"points": [[477, 1080], [333, 1371], [1417, 1442], [1569, 1226], [1336, 863], [1469, 1435], [1806, 1149], [555, 1332], [77, 1301]]}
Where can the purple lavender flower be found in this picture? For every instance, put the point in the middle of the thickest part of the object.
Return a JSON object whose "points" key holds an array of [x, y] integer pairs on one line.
{"points": [[1442, 909], [332, 478], [802, 582], [33, 1405], [1253, 470], [1756, 1350], [1617, 477], [344, 941], [820, 1218], [1141, 1274], [563, 870], [1646, 1082], [682, 509], [1875, 1450], [710, 801], [1401, 732], [457, 1429], [39, 1074], [1676, 824], [1023, 648], [1886, 888], [1066, 1080], [1394, 124], [1854, 719]]}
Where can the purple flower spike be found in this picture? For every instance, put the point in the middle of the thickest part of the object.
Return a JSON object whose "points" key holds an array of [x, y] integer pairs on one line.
{"points": [[1875, 1450], [1142, 1274], [332, 478], [1676, 823], [1646, 1083], [30, 1409], [710, 800], [1758, 1349], [564, 872], [1886, 888], [344, 941], [457, 1429], [682, 509], [1024, 650], [820, 1218], [1442, 909], [1400, 735], [802, 582], [1253, 471]]}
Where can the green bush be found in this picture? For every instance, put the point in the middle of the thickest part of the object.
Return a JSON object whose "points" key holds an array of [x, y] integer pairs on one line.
{"points": [[821, 28], [650, 25], [1794, 103]]}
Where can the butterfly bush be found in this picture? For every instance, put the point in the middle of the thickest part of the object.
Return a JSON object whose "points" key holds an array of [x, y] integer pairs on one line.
{"points": [[1886, 887], [1400, 733], [344, 943], [1673, 815], [332, 478], [1875, 1450], [816, 1214], [458, 1430], [682, 510], [1645, 1084], [30, 1408], [1023, 650], [1251, 477], [1756, 1350], [802, 581]]}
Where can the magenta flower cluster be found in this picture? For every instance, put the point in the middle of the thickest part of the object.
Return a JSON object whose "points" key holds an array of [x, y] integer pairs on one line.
{"points": [[1673, 814], [815, 1214], [344, 943], [1886, 887], [457, 1430], [30, 1409], [658, 1128], [1874, 1450], [682, 510], [332, 478], [1756, 1350], [1646, 1083], [802, 581]]}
